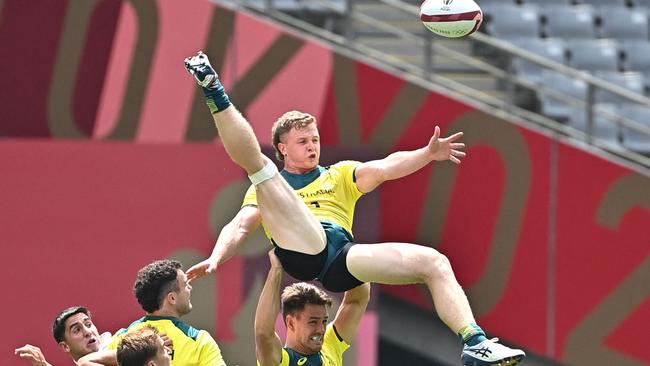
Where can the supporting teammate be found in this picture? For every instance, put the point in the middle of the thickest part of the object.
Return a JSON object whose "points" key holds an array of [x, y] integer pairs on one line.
{"points": [[311, 339], [143, 348], [313, 236], [164, 293]]}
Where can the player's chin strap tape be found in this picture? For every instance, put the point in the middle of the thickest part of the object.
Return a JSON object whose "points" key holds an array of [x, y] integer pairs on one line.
{"points": [[268, 172]]}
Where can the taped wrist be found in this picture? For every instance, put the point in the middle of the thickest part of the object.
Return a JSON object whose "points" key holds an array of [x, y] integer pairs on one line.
{"points": [[266, 173], [216, 97]]}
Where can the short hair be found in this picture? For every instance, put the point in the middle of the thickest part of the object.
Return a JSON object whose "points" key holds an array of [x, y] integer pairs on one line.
{"points": [[154, 282], [287, 122], [58, 327], [136, 348], [296, 296]]}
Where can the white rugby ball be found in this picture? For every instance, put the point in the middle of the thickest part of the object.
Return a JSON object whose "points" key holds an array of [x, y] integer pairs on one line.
{"points": [[451, 18]]}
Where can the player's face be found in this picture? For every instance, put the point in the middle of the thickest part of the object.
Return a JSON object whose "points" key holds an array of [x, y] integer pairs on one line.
{"points": [[162, 356], [301, 148], [81, 336], [310, 327], [183, 302]]}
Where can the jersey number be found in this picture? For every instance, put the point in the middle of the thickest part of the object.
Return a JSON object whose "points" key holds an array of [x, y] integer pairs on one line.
{"points": [[315, 203]]}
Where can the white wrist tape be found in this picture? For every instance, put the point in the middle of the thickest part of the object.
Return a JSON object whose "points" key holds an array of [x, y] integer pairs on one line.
{"points": [[268, 172]]}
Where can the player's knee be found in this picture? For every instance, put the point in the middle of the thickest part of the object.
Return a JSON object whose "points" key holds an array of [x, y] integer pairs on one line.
{"points": [[437, 266]]}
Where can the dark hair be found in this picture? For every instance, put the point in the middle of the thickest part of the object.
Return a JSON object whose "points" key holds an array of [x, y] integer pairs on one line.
{"points": [[58, 327], [287, 122], [136, 348], [154, 282], [297, 295]]}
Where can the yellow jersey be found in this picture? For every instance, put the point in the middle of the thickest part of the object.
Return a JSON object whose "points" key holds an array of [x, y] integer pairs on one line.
{"points": [[330, 192], [330, 355], [191, 346]]}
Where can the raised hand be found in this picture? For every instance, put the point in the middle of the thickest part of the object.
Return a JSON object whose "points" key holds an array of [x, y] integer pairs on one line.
{"points": [[32, 354], [445, 148], [201, 269]]}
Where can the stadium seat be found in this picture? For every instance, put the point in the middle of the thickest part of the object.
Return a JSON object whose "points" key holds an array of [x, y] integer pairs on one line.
{"points": [[593, 55], [605, 128], [508, 22], [633, 81], [632, 139], [547, 2], [641, 3], [550, 48], [599, 3], [635, 55], [568, 22], [561, 108], [622, 23]]}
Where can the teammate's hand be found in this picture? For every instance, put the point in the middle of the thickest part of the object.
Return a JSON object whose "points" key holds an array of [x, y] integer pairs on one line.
{"points": [[32, 354], [445, 148], [201, 269], [275, 262], [166, 340]]}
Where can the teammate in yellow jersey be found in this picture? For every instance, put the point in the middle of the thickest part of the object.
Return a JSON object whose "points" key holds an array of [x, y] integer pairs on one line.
{"points": [[143, 348], [314, 240], [163, 291], [311, 339]]}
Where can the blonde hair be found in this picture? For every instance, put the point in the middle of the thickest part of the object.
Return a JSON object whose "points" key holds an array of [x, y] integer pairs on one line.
{"points": [[287, 122]]}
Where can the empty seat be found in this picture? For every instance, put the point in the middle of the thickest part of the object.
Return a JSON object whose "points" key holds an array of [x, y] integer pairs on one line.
{"points": [[547, 2], [593, 55], [572, 97], [632, 81], [622, 23], [548, 48], [508, 22], [633, 139], [635, 55], [605, 126], [598, 3], [568, 21], [641, 3]]}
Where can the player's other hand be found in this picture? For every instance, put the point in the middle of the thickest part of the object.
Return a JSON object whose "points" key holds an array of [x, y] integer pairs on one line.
{"points": [[275, 262], [201, 269], [445, 148], [32, 354]]}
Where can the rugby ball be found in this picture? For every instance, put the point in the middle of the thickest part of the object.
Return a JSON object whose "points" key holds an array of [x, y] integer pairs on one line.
{"points": [[451, 18]]}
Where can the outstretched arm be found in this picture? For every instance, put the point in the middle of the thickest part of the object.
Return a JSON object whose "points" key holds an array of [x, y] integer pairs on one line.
{"points": [[230, 238], [351, 311], [32, 354], [268, 346], [371, 174]]}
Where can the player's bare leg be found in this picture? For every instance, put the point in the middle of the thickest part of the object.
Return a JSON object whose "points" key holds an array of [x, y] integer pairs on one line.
{"points": [[289, 221]]}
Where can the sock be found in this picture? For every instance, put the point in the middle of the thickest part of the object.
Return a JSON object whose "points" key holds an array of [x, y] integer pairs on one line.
{"points": [[216, 97], [471, 334]]}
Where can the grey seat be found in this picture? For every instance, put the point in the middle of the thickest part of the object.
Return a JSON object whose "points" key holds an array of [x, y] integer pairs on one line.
{"points": [[549, 48], [641, 3], [547, 2], [635, 55], [598, 3], [633, 81], [604, 126], [593, 55], [622, 23], [508, 22], [572, 90], [633, 139], [568, 22]]}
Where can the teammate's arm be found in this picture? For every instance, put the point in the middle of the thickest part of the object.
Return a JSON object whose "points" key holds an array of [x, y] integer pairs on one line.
{"points": [[371, 174], [351, 311], [32, 354], [232, 235], [268, 346], [100, 358]]}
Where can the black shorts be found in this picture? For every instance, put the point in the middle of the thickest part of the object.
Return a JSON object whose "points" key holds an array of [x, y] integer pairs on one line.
{"points": [[328, 266]]}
